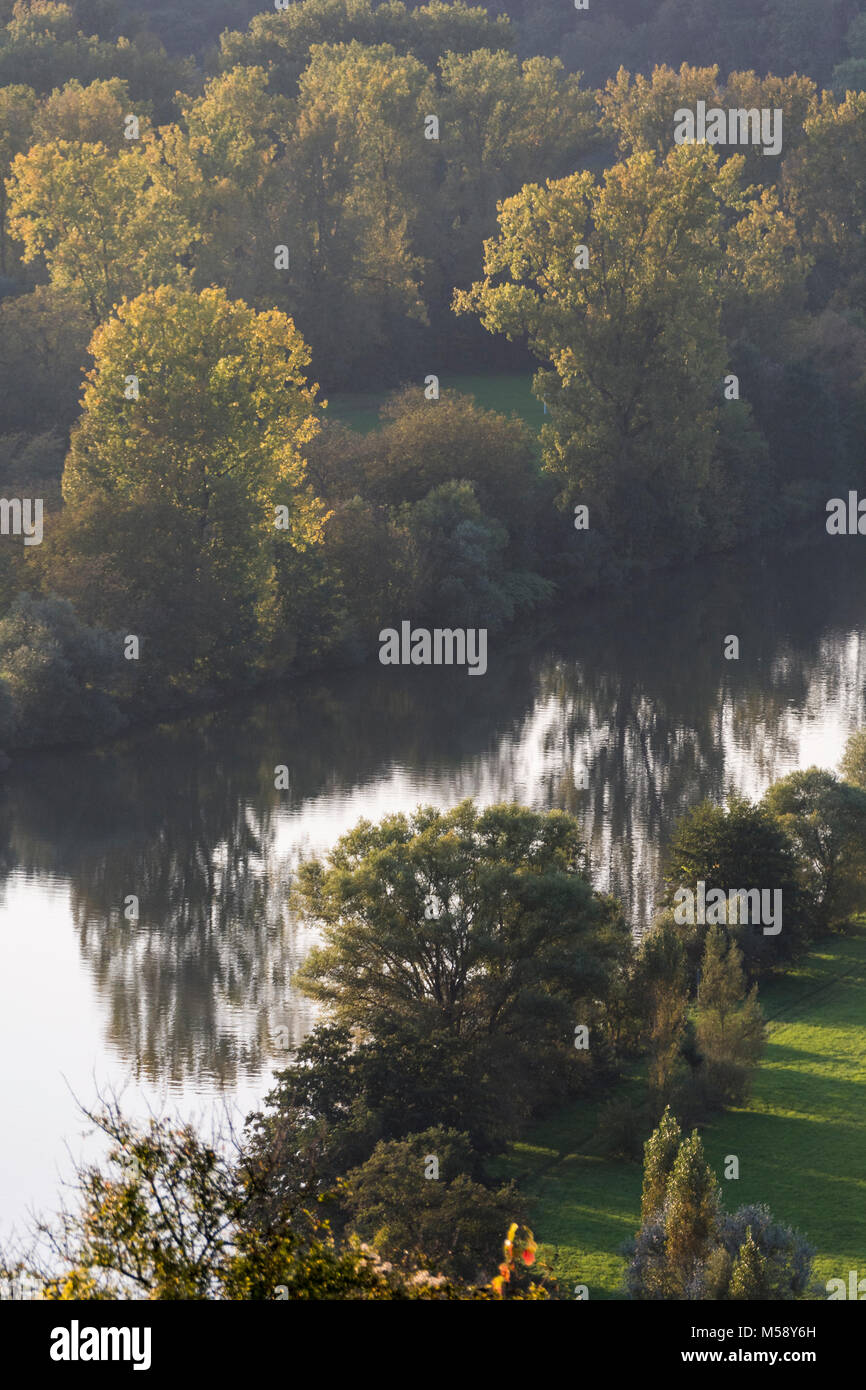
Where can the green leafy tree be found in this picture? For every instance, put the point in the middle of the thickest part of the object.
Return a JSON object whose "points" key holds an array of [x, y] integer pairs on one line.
{"points": [[456, 570], [825, 819], [663, 975], [640, 110], [43, 353], [90, 115], [30, 466], [341, 1096], [853, 765], [741, 845], [223, 399], [62, 676], [362, 172], [505, 123], [438, 29], [849, 76], [17, 109], [282, 43], [44, 46], [618, 288], [825, 185], [749, 1278], [660, 1152], [680, 1215], [220, 169], [771, 1256], [97, 220], [173, 1214], [213, 450], [692, 1210], [730, 1026], [422, 445], [442, 508], [362, 559], [478, 922], [449, 1222]]}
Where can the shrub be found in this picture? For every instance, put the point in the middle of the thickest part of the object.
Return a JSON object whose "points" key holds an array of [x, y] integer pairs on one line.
{"points": [[61, 675], [415, 1201], [688, 1248], [622, 1126]]}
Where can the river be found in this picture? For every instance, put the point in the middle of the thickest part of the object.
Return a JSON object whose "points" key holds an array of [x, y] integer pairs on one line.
{"points": [[623, 710]]}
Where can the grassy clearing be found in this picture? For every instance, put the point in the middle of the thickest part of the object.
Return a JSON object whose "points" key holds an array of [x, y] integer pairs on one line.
{"points": [[496, 391], [801, 1141]]}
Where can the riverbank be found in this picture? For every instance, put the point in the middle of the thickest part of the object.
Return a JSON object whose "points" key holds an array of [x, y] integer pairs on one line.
{"points": [[662, 592]]}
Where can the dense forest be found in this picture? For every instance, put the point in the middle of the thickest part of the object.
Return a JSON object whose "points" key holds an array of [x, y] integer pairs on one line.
{"points": [[205, 231], [767, 35], [212, 220]]}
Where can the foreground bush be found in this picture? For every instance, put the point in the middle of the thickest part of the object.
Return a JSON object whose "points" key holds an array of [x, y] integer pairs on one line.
{"points": [[416, 1202], [688, 1248], [171, 1215]]}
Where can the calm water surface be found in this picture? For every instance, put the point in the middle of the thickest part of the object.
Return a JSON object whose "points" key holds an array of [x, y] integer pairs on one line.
{"points": [[184, 1008]]}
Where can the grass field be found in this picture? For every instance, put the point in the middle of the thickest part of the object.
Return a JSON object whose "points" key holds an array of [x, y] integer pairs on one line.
{"points": [[801, 1142], [506, 393]]}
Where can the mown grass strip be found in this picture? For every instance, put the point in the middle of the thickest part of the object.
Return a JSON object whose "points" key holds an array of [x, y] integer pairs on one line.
{"points": [[801, 1141]]}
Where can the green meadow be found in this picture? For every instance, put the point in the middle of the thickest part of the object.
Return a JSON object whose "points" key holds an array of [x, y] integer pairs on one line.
{"points": [[801, 1141], [502, 391]]}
